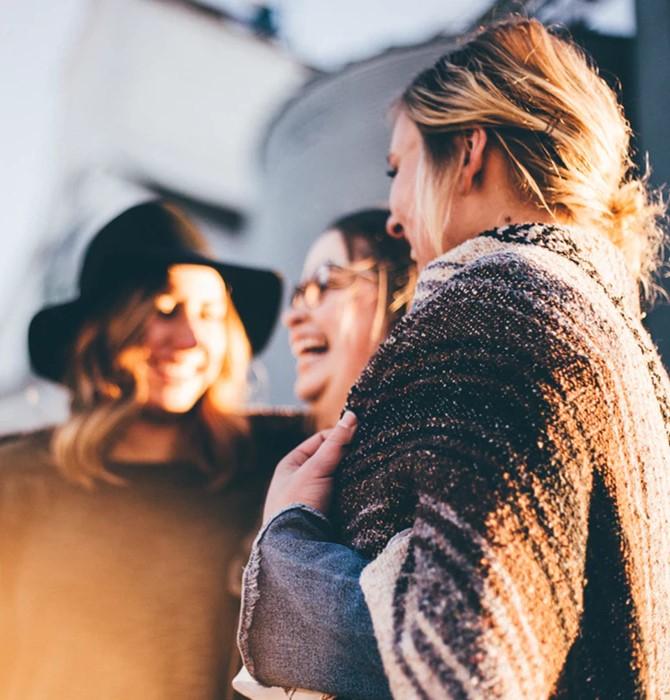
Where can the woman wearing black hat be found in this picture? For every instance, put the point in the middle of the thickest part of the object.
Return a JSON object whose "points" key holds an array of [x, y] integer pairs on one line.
{"points": [[121, 530]]}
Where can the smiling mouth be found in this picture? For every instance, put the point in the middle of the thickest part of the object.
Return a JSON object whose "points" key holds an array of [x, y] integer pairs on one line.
{"points": [[309, 347], [175, 373]]}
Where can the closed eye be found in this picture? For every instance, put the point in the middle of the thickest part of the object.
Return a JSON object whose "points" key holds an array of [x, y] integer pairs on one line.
{"points": [[166, 306]]}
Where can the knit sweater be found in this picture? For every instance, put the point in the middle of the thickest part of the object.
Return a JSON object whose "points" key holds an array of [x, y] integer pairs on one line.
{"points": [[514, 430]]}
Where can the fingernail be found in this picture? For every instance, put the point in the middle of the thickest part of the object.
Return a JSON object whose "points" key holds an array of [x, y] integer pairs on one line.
{"points": [[348, 420]]}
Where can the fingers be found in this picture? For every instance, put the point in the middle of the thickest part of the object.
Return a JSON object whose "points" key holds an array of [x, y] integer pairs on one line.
{"points": [[344, 429], [325, 447], [305, 474], [330, 451]]}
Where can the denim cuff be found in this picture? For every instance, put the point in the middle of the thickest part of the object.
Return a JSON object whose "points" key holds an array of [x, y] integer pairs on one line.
{"points": [[302, 517], [304, 621]]}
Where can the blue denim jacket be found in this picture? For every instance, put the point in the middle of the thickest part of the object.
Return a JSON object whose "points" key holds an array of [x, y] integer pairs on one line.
{"points": [[304, 621]]}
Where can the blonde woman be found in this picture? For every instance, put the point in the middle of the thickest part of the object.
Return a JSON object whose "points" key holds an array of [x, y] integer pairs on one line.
{"points": [[499, 525], [120, 530]]}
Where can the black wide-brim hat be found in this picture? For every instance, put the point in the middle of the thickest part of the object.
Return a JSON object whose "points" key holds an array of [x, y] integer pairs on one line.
{"points": [[134, 250]]}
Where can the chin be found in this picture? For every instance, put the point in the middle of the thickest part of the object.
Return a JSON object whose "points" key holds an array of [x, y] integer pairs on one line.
{"points": [[306, 392], [161, 408], [179, 408], [174, 402]]}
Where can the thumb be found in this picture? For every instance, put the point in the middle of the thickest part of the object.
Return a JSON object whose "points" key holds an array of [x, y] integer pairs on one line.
{"points": [[328, 456]]}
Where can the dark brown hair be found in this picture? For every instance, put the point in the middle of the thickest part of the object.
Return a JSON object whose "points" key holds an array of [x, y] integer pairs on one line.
{"points": [[364, 235]]}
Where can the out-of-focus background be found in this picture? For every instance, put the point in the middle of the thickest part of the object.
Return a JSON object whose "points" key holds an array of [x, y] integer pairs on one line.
{"points": [[265, 121]]}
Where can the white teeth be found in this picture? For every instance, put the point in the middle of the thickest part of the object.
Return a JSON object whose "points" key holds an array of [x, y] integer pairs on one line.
{"points": [[308, 345]]}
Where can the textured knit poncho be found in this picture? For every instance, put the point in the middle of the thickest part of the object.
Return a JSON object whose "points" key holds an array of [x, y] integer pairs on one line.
{"points": [[514, 431]]}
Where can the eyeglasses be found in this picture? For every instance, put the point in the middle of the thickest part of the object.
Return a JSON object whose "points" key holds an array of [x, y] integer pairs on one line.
{"points": [[330, 276]]}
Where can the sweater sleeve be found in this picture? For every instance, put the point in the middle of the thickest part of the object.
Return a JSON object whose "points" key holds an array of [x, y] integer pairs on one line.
{"points": [[494, 425]]}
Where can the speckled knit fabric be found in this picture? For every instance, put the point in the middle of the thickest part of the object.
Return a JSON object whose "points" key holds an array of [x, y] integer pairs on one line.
{"points": [[516, 426]]}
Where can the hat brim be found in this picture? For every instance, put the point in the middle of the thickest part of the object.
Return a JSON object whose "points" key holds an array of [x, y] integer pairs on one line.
{"points": [[256, 294], [51, 335]]}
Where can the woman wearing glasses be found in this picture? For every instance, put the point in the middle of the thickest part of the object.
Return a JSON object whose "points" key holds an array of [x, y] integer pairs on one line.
{"points": [[357, 282]]}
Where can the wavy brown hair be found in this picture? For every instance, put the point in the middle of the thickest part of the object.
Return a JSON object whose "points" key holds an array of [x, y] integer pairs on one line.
{"points": [[560, 125], [105, 398]]}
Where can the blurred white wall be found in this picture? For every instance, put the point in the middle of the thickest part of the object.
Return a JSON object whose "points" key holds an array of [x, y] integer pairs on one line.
{"points": [[161, 92], [35, 41]]}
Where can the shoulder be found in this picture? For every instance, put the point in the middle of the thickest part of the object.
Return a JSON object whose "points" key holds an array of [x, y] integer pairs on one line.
{"points": [[28, 476], [280, 425], [504, 299], [26, 451], [500, 318], [502, 276]]}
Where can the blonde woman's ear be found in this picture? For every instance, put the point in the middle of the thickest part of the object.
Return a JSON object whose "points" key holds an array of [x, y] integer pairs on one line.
{"points": [[474, 146]]}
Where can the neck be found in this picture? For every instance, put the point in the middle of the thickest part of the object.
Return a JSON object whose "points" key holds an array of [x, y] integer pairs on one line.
{"points": [[150, 439], [326, 411], [521, 214], [490, 201], [324, 418], [511, 215]]}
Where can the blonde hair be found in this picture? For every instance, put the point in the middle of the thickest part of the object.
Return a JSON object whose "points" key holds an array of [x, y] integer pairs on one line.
{"points": [[557, 121], [105, 398]]}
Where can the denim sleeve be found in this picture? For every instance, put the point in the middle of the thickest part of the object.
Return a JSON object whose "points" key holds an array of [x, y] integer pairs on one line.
{"points": [[304, 621]]}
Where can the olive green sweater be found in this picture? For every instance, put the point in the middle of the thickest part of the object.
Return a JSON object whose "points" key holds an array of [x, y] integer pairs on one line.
{"points": [[125, 591]]}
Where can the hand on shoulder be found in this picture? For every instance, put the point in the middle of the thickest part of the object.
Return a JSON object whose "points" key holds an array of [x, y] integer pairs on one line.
{"points": [[305, 475]]}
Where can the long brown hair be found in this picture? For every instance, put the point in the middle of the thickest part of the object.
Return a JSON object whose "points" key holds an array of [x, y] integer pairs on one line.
{"points": [[104, 395], [559, 124]]}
